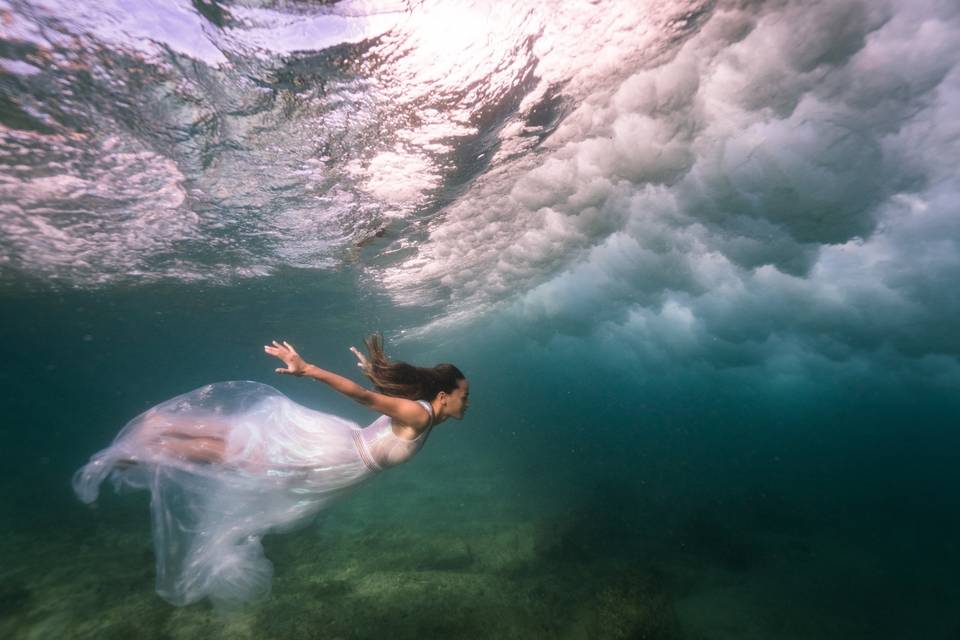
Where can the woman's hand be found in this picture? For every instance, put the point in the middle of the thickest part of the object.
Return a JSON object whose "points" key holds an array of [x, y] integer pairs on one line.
{"points": [[362, 361], [296, 366]]}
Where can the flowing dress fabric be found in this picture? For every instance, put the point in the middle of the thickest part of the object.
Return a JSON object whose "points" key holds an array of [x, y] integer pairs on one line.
{"points": [[283, 463]]}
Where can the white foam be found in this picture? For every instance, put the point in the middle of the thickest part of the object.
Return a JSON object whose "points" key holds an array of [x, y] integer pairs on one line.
{"points": [[785, 184]]}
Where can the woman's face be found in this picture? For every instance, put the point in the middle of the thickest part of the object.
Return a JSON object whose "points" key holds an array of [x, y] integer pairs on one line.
{"points": [[458, 400]]}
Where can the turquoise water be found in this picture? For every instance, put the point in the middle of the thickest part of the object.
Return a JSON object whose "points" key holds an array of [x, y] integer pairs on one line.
{"points": [[697, 260]]}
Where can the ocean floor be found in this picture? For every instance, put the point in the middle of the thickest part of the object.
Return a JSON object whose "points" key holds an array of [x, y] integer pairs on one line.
{"points": [[410, 557]]}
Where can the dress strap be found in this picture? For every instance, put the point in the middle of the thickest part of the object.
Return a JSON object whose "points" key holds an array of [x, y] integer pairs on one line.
{"points": [[429, 407]]}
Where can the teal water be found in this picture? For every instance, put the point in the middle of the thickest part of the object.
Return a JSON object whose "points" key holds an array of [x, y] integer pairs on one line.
{"points": [[696, 259]]}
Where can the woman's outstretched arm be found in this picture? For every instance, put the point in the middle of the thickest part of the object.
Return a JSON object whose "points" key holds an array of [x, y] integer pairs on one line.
{"points": [[406, 412]]}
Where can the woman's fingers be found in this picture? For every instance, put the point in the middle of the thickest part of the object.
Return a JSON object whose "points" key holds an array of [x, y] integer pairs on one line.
{"points": [[278, 347], [286, 352]]}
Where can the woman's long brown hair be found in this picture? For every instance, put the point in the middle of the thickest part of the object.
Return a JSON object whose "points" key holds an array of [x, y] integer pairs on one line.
{"points": [[403, 380]]}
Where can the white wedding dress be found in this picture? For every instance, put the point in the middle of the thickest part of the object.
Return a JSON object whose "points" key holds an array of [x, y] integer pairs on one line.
{"points": [[283, 464]]}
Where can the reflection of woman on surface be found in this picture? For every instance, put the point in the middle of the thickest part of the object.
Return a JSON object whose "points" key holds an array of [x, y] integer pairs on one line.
{"points": [[231, 461]]}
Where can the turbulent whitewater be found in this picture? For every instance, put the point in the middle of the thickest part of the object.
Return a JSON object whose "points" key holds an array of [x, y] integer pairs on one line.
{"points": [[704, 179]]}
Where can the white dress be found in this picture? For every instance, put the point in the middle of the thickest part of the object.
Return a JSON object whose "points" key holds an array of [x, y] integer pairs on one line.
{"points": [[283, 464]]}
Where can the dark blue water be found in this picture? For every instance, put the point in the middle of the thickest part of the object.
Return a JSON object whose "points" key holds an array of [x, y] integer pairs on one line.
{"points": [[698, 261]]}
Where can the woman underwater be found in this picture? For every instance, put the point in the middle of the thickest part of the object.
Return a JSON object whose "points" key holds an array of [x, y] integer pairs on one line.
{"points": [[231, 461]]}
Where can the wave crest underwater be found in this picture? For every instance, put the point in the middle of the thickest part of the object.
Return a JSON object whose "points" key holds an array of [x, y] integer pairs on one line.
{"points": [[723, 181]]}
